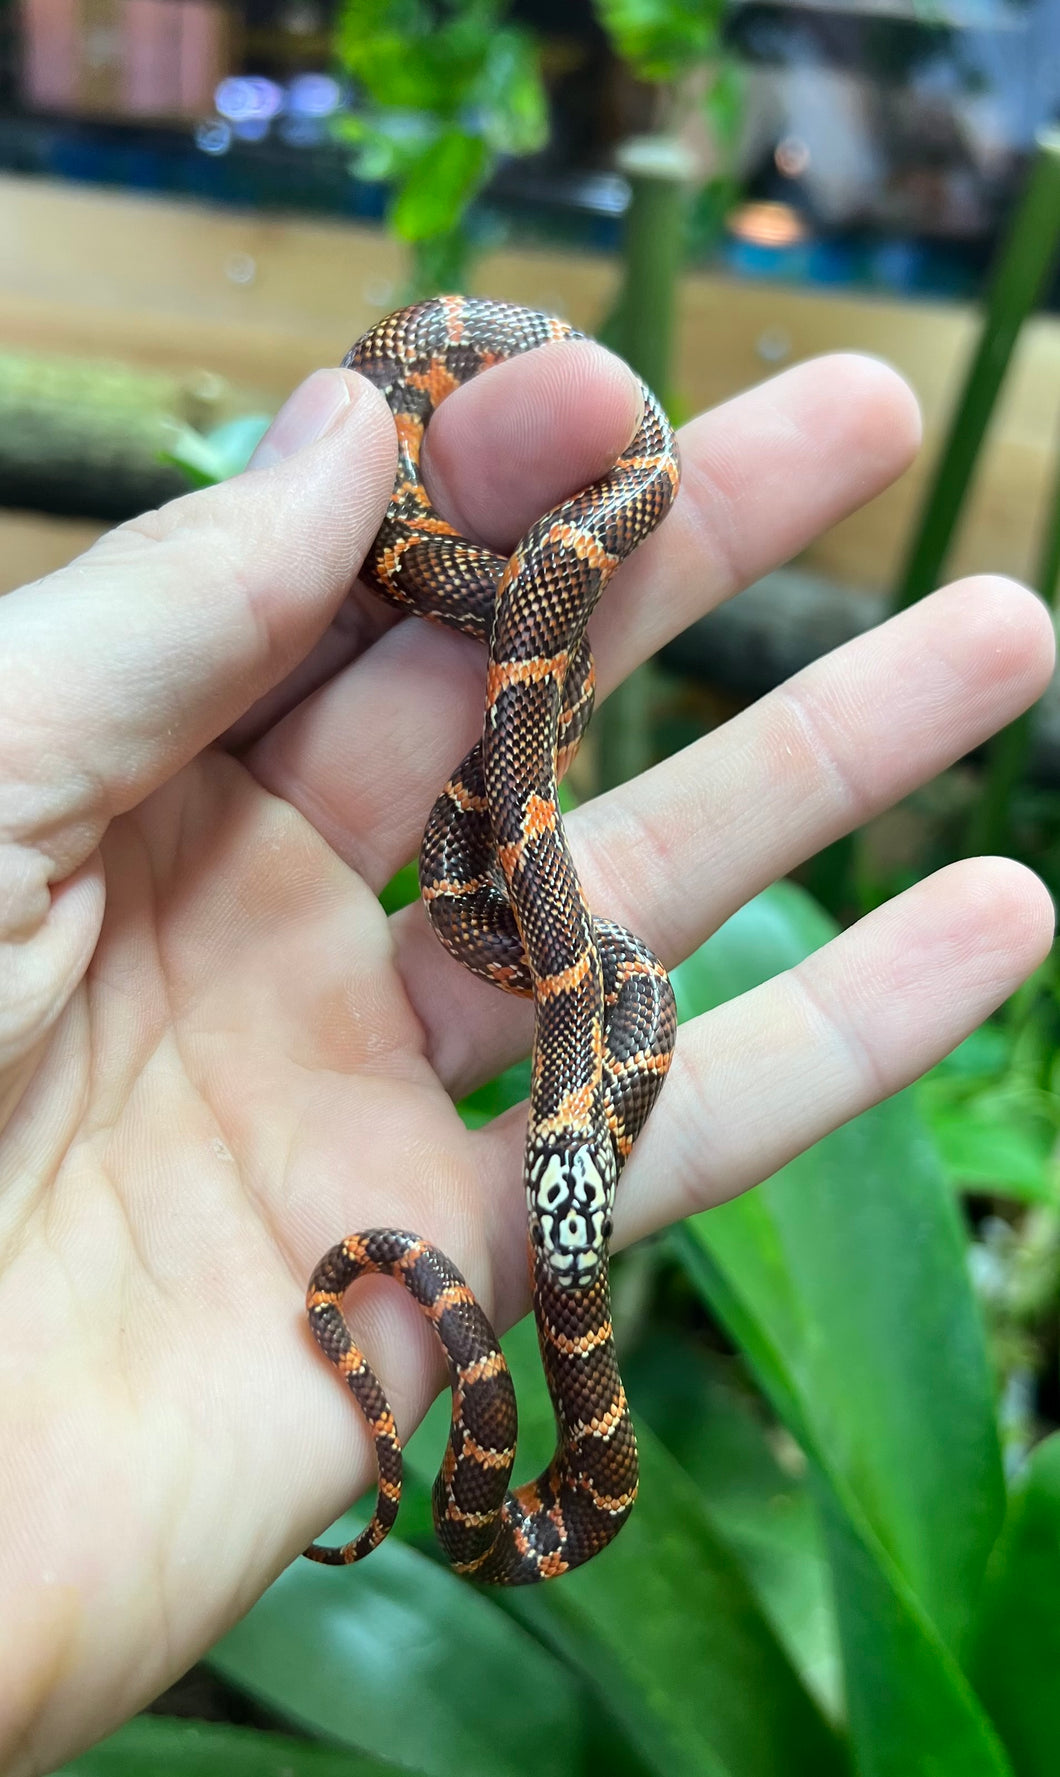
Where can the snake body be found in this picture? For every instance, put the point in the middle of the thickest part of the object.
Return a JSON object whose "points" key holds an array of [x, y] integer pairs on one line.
{"points": [[503, 896]]}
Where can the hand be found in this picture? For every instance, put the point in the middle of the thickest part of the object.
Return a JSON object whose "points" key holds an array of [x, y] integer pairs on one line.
{"points": [[217, 1056]]}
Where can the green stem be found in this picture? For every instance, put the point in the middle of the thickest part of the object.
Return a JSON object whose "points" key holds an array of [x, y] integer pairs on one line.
{"points": [[1049, 560], [990, 824], [641, 329], [1007, 755], [653, 250], [1024, 265]]}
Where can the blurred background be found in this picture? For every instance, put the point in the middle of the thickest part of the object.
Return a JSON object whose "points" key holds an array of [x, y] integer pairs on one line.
{"points": [[846, 1557]]}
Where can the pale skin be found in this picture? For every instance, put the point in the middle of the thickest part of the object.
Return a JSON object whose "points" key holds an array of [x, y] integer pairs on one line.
{"points": [[217, 1056]]}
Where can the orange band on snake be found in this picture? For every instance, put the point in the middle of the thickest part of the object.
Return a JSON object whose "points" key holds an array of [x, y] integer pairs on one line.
{"points": [[503, 896]]}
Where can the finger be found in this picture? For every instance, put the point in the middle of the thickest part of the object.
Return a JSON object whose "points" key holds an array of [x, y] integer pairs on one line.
{"points": [[366, 756], [499, 452], [764, 1076], [121, 667], [674, 853], [511, 444]]}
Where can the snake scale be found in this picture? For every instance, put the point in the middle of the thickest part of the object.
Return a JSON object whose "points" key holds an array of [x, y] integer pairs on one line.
{"points": [[503, 896]]}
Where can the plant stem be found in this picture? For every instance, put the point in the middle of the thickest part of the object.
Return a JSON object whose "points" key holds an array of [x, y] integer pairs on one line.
{"points": [[1025, 262], [657, 170], [1049, 559], [641, 330], [990, 823]]}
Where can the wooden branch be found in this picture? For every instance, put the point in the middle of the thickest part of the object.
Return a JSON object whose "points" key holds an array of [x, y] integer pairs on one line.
{"points": [[782, 623], [87, 440]]}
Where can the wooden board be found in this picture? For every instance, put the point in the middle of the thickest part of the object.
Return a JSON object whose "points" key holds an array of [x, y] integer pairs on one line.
{"points": [[258, 301], [32, 545]]}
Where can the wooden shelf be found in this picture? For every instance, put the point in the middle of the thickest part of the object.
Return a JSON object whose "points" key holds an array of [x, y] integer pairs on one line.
{"points": [[258, 301]]}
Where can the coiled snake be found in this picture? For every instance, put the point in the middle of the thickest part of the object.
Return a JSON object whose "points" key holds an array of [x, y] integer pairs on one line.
{"points": [[503, 897]]}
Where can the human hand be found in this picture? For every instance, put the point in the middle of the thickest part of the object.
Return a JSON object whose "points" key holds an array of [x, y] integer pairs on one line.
{"points": [[217, 1056]]}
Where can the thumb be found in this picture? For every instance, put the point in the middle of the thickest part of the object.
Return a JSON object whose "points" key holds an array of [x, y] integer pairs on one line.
{"points": [[121, 667]]}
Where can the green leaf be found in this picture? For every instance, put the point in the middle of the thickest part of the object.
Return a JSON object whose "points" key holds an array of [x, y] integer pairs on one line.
{"points": [[772, 933], [403, 1660], [760, 1508], [980, 1146], [1016, 1662], [662, 39], [993, 1124], [844, 1279], [214, 456], [155, 1746], [853, 1263], [440, 185], [986, 1052], [725, 105], [664, 1626], [910, 1707], [402, 889], [497, 1096], [510, 94], [380, 157]]}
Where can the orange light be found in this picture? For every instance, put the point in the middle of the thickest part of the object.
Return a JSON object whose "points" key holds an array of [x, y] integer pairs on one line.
{"points": [[768, 225]]}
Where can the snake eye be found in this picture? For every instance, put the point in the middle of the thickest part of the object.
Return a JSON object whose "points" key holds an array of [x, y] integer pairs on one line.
{"points": [[536, 1234], [608, 1228]]}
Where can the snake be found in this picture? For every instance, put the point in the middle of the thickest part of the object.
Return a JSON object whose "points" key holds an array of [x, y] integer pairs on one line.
{"points": [[502, 894]]}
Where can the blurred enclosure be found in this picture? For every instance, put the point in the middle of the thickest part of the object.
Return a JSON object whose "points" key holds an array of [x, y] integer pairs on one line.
{"points": [[161, 160], [847, 1383], [235, 308]]}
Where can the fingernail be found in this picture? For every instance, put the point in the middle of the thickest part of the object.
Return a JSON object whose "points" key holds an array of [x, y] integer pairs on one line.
{"points": [[304, 417]]}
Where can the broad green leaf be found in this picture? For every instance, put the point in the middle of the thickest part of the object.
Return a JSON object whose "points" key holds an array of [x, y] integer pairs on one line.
{"points": [[910, 1707], [844, 1279], [664, 1626], [401, 1659], [882, 1628], [667, 1627], [1016, 1661], [852, 1261], [155, 1746], [761, 1509], [979, 1146], [984, 1054]]}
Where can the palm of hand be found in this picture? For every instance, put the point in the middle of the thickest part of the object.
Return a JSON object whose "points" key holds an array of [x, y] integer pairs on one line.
{"points": [[239, 1080], [256, 1061]]}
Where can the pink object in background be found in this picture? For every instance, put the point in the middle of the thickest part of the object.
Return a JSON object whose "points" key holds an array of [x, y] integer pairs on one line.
{"points": [[51, 31], [124, 58], [151, 59], [204, 59]]}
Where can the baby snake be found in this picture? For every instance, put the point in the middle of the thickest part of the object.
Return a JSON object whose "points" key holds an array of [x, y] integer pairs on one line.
{"points": [[502, 894]]}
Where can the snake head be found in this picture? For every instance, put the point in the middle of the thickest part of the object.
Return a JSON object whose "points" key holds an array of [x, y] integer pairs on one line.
{"points": [[570, 1192]]}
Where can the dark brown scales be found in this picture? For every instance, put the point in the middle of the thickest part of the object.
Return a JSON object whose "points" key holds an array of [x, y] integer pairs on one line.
{"points": [[503, 896]]}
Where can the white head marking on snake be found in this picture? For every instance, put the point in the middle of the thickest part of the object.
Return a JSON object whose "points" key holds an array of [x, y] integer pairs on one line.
{"points": [[570, 1191]]}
